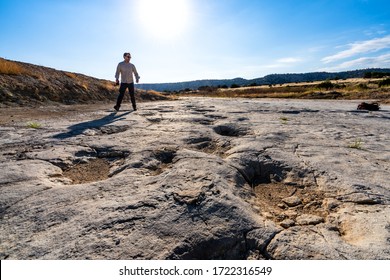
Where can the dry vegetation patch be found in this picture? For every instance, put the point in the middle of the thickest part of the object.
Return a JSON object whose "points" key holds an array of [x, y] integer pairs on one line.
{"points": [[11, 68], [377, 89]]}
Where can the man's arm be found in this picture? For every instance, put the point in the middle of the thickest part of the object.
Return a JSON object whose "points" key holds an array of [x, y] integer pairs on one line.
{"points": [[117, 74], [136, 74]]}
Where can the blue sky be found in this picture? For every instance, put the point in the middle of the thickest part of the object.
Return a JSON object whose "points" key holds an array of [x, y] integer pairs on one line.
{"points": [[182, 40]]}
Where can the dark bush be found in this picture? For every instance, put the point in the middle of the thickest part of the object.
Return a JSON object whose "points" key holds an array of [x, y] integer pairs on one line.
{"points": [[326, 85], [362, 86], [207, 88], [384, 83], [372, 75]]}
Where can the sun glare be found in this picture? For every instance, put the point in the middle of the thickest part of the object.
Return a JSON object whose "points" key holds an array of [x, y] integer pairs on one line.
{"points": [[164, 18]]}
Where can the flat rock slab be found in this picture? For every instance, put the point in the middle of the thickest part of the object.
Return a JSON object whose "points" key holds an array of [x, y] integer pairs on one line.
{"points": [[292, 201], [197, 178], [307, 219]]}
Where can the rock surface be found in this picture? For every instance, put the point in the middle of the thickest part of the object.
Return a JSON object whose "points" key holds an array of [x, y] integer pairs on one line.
{"points": [[198, 179]]}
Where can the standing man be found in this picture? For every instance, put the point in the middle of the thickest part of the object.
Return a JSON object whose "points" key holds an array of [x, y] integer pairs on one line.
{"points": [[126, 70]]}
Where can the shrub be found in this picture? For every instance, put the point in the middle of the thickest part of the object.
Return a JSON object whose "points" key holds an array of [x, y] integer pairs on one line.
{"points": [[326, 85], [34, 125], [207, 88], [369, 75], [357, 144], [384, 83], [362, 86]]}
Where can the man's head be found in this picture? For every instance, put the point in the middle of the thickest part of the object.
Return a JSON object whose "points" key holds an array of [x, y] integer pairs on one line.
{"points": [[127, 56]]}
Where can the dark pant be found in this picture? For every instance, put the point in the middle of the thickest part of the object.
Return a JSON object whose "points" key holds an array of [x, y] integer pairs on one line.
{"points": [[122, 90]]}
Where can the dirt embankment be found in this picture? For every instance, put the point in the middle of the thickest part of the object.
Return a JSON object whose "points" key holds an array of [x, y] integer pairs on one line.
{"points": [[24, 84]]}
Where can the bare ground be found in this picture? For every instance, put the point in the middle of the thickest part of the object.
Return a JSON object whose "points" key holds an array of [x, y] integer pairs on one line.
{"points": [[196, 178]]}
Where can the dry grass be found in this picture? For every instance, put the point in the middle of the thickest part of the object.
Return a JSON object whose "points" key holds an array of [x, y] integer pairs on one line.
{"points": [[344, 89], [78, 79], [35, 125], [357, 144], [153, 95], [71, 75], [10, 67], [108, 85]]}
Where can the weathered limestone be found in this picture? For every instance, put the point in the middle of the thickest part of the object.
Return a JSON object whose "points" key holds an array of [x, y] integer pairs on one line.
{"points": [[199, 178]]}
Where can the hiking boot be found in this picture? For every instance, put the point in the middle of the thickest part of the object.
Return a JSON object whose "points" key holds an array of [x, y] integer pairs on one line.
{"points": [[135, 109], [116, 108]]}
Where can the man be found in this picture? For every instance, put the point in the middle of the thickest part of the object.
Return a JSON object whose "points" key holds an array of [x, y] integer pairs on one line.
{"points": [[126, 70]]}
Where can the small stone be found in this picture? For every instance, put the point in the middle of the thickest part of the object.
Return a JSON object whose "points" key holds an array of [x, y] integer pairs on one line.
{"points": [[361, 198], [188, 197], [282, 206], [292, 201], [90, 132], [257, 209], [330, 204], [287, 223], [268, 215], [291, 214], [254, 255], [307, 219]]}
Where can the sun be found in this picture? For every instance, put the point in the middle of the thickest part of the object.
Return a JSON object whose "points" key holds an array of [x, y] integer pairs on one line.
{"points": [[165, 19]]}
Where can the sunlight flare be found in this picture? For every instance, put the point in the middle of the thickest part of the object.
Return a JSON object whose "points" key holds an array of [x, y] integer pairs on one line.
{"points": [[164, 19]]}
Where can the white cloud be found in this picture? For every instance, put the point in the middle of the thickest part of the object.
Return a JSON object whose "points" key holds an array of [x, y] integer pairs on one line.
{"points": [[362, 62], [284, 62], [376, 30], [360, 48], [288, 60]]}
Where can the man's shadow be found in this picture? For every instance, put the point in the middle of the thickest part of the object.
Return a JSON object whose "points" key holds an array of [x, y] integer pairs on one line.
{"points": [[79, 128]]}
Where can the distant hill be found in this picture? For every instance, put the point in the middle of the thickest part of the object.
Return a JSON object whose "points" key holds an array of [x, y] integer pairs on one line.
{"points": [[28, 84], [272, 79]]}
